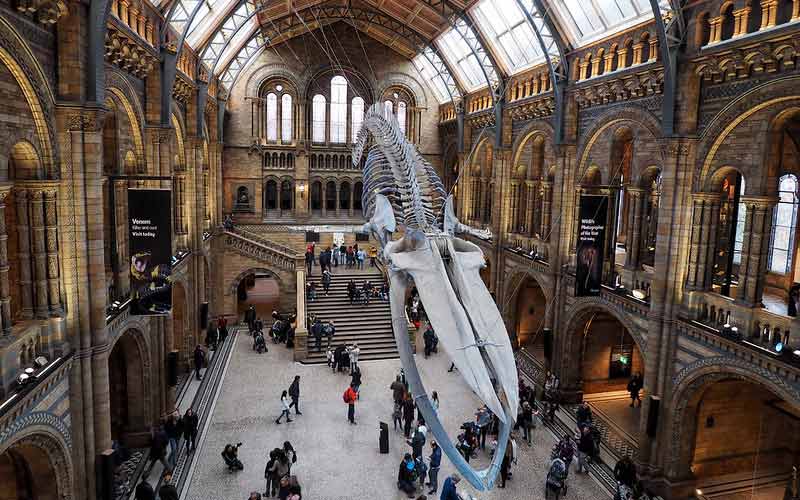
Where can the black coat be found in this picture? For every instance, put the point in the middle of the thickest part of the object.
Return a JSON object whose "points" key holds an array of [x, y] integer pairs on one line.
{"points": [[168, 492], [417, 443], [145, 492], [408, 409], [294, 389], [190, 423]]}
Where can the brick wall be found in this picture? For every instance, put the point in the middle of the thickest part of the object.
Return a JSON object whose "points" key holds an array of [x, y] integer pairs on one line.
{"points": [[16, 120]]}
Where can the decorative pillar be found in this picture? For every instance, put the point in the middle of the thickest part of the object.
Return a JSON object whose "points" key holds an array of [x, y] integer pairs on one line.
{"points": [[39, 252], [123, 11], [5, 285], [51, 230], [633, 238], [530, 204], [608, 62], [23, 254], [300, 332], [622, 54], [705, 218], [514, 207], [795, 10], [637, 53], [755, 249], [716, 29], [740, 18], [547, 196], [596, 66], [583, 65], [115, 7], [653, 53], [769, 11]]}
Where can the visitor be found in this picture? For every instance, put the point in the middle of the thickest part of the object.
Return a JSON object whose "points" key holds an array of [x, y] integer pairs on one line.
{"points": [[429, 337], [199, 360], [309, 259], [254, 495], [385, 291], [350, 397], [354, 352], [231, 457], [291, 454], [284, 408], [435, 401], [326, 281], [373, 254], [355, 380], [366, 291], [325, 260], [311, 291], [295, 492], [173, 429], [434, 463], [449, 490], [583, 415], [316, 332], [294, 393], [351, 291], [278, 471], [526, 422], [483, 418], [211, 336], [222, 327], [406, 476], [585, 449], [634, 386], [329, 330], [408, 414], [250, 318], [361, 256], [398, 390], [397, 415], [269, 475], [343, 254], [417, 443], [505, 465], [158, 450], [190, 424], [167, 490], [625, 471], [336, 256], [144, 491]]}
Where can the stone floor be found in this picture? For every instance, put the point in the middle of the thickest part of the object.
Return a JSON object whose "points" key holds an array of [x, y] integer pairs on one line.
{"points": [[336, 460]]}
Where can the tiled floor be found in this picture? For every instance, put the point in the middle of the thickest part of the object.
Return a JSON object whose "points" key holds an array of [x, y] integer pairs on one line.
{"points": [[336, 460]]}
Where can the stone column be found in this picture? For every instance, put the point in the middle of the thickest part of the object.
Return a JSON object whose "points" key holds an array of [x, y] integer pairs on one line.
{"points": [[514, 207], [23, 254], [622, 54], [637, 53], [633, 239], [769, 10], [705, 217], [51, 229], [300, 332], [716, 29], [547, 197], [36, 197], [530, 204], [5, 285], [795, 10], [755, 249], [740, 18]]}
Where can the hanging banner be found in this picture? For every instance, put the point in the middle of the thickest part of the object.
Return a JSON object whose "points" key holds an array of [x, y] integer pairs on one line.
{"points": [[150, 246], [591, 243]]}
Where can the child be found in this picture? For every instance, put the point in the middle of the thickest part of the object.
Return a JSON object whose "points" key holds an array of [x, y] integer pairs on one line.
{"points": [[329, 356]]}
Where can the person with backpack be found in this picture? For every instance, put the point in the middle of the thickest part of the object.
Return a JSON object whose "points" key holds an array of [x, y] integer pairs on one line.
{"points": [[407, 476], [350, 396], [417, 443]]}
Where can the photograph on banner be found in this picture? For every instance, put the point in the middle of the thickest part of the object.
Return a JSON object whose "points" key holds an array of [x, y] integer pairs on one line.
{"points": [[591, 244], [150, 246]]}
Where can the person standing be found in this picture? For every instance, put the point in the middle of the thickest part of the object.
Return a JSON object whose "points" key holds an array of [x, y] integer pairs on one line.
{"points": [[527, 422], [408, 414], [449, 490], [291, 454], [355, 380], [354, 352], [417, 444], [173, 429], [316, 332], [634, 386], [329, 331], [585, 448], [190, 424], [434, 463], [326, 281], [250, 318], [360, 256], [435, 401], [284, 408], [222, 326], [482, 419], [373, 254], [199, 360], [294, 393], [350, 396], [398, 390], [309, 259], [144, 491], [167, 490]]}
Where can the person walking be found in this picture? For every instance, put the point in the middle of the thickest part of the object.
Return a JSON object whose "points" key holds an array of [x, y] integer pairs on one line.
{"points": [[354, 353], [449, 490], [284, 408], [634, 386], [190, 424], [350, 396], [326, 281], [585, 449], [408, 414], [351, 291], [482, 420], [434, 463], [316, 332], [329, 331], [398, 390], [199, 360], [144, 491], [435, 401], [250, 318], [158, 450], [173, 429], [417, 444], [294, 393], [167, 490], [355, 380]]}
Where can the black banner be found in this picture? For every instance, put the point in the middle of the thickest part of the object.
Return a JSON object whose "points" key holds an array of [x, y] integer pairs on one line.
{"points": [[150, 245], [591, 243]]}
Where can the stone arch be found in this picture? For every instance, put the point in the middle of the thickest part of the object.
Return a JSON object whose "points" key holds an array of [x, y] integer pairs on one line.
{"points": [[513, 293], [179, 137], [47, 456], [234, 285], [270, 71], [133, 118], [688, 386], [585, 306], [137, 377], [24, 162], [518, 277], [17, 56]]}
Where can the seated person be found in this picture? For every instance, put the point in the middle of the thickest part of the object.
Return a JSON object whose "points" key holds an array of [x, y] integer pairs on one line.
{"points": [[231, 456], [407, 476]]}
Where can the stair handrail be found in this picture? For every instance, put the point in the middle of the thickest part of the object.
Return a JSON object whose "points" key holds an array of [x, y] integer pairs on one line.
{"points": [[257, 238]]}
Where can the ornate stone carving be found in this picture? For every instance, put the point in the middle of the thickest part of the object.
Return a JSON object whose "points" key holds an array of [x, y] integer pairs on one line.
{"points": [[129, 53]]}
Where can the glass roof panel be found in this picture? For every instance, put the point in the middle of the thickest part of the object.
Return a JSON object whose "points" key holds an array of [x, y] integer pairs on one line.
{"points": [[588, 20], [430, 75], [507, 30], [245, 32], [461, 58]]}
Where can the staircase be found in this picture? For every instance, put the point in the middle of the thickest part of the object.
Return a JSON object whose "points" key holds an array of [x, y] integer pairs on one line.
{"points": [[368, 326]]}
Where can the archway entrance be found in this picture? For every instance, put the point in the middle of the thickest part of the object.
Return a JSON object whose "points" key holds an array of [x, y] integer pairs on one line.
{"points": [[259, 289], [608, 358], [127, 397], [26, 473], [531, 307], [742, 440]]}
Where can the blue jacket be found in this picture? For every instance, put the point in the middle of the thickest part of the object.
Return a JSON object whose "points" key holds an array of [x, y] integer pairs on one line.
{"points": [[436, 458], [449, 490]]}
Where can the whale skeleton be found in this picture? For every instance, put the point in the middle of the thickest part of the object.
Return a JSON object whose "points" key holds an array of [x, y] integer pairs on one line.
{"points": [[402, 193]]}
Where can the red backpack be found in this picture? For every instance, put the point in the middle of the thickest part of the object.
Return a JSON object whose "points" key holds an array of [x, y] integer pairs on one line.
{"points": [[347, 396]]}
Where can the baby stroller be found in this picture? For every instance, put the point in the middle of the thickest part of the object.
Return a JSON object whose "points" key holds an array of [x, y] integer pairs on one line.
{"points": [[556, 482], [259, 345]]}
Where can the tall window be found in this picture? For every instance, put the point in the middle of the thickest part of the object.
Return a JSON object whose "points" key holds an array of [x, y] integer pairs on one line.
{"points": [[318, 118], [401, 116], [782, 245], [286, 118], [272, 117], [741, 216], [388, 109], [338, 110], [356, 117]]}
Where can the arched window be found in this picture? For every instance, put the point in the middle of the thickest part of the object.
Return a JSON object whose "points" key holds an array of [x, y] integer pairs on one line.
{"points": [[782, 244], [287, 193], [356, 117], [344, 196], [741, 217], [358, 189], [286, 118], [338, 110], [272, 117], [271, 195], [401, 116], [388, 108], [330, 196], [316, 196], [318, 119]]}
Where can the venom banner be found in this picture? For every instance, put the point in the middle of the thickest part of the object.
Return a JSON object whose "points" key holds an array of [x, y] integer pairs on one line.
{"points": [[150, 246]]}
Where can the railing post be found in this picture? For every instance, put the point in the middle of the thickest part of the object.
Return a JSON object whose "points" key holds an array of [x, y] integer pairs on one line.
{"points": [[300, 331]]}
